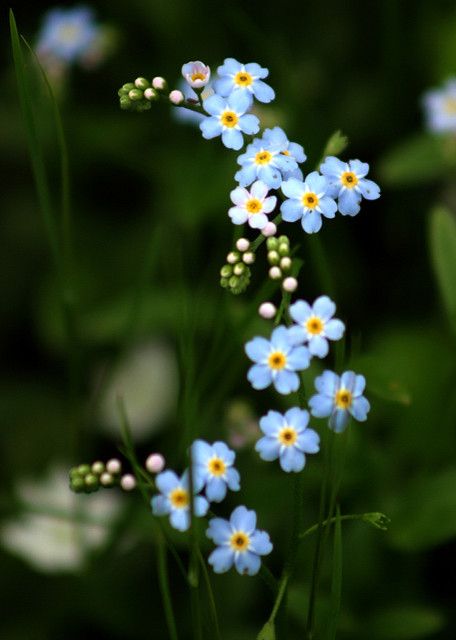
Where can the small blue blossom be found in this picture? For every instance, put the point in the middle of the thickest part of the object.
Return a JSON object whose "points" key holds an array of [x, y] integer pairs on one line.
{"points": [[440, 107], [252, 206], [213, 469], [348, 183], [229, 119], [238, 542], [288, 438], [338, 398], [265, 162], [235, 77], [67, 34], [308, 201], [277, 361], [315, 325], [175, 500], [276, 137]]}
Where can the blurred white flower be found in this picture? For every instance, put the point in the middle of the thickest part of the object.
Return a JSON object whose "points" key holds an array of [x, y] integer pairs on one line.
{"points": [[147, 381], [58, 529]]}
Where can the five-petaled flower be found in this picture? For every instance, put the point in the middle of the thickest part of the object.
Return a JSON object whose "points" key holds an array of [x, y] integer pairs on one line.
{"points": [[67, 34], [252, 206], [265, 162], [287, 438], [229, 119], [307, 202], [338, 398], [347, 182], [238, 542], [235, 77], [276, 361], [440, 107], [196, 73], [315, 325], [174, 500], [213, 469], [276, 137]]}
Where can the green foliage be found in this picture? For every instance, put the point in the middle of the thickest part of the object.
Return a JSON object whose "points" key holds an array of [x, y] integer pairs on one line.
{"points": [[442, 240], [404, 623]]}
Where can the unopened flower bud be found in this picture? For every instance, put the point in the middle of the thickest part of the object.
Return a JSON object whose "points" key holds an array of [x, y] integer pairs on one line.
{"points": [[284, 249], [176, 96], [159, 83], [150, 94], [239, 269], [233, 282], [142, 83], [98, 468], [242, 244], [249, 257], [77, 484], [226, 271], [284, 239], [128, 482], [136, 94], [273, 257], [267, 310], [128, 86], [106, 479], [269, 230], [272, 243], [91, 481], [290, 284], [155, 463], [125, 102], [84, 469], [113, 466], [233, 257], [275, 273], [285, 263]]}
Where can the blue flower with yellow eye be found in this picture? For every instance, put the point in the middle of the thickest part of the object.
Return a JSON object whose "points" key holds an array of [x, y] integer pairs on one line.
{"points": [[276, 361], [276, 137], [67, 34], [174, 500], [339, 398], [307, 201], [315, 325], [287, 438], [229, 119], [266, 162], [347, 182], [235, 77], [238, 542], [213, 469], [440, 107]]}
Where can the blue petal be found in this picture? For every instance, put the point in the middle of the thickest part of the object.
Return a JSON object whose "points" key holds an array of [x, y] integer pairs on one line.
{"points": [[242, 519], [292, 460], [359, 386], [229, 66], [271, 423], [297, 152], [279, 339], [297, 335], [239, 101], [339, 420], [334, 329], [324, 308], [327, 383], [222, 451], [268, 448], [291, 210], [349, 201], [247, 563], [232, 139], [298, 418], [210, 128], [300, 311], [180, 519], [246, 175], [221, 559], [233, 479], [255, 70], [201, 451], [311, 221], [347, 380], [216, 490], [270, 176], [293, 188], [286, 381], [316, 182], [360, 408], [263, 92], [249, 124], [200, 506], [332, 167], [309, 441], [328, 207], [260, 543], [214, 105], [361, 169], [167, 481], [321, 406], [318, 346], [223, 86], [258, 349], [259, 376], [219, 530], [369, 189], [160, 505], [299, 358]]}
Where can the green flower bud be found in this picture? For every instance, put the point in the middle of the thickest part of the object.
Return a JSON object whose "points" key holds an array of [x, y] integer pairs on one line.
{"points": [[233, 282], [77, 485], [125, 103], [284, 249], [283, 239], [142, 83], [84, 469], [285, 263], [226, 271], [91, 482], [272, 243], [98, 468], [239, 269], [273, 257], [224, 282], [122, 92], [233, 257], [136, 94], [74, 473], [128, 86]]}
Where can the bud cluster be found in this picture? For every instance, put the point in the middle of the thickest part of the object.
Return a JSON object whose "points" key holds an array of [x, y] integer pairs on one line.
{"points": [[87, 478], [235, 274], [280, 261], [138, 95]]}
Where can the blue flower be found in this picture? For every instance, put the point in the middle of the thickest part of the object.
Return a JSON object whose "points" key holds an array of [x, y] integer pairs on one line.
{"points": [[252, 206], [276, 137], [440, 107], [175, 500], [287, 437], [307, 202], [265, 162], [229, 119], [347, 182], [213, 469], [338, 398], [238, 542], [315, 325], [243, 79], [277, 361], [67, 34]]}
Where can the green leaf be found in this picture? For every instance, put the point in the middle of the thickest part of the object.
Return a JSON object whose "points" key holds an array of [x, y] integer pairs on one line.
{"points": [[442, 239], [335, 145], [336, 583], [267, 632], [423, 513], [404, 623]]}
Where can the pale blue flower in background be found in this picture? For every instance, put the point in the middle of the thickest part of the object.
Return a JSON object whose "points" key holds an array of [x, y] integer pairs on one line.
{"points": [[440, 107], [67, 33]]}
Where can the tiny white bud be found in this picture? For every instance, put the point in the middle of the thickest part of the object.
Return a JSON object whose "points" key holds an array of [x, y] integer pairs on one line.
{"points": [[249, 257], [269, 230], [158, 83], [128, 482], [176, 96], [275, 273], [98, 467], [273, 257], [242, 244], [150, 94], [267, 310], [106, 479], [232, 257], [285, 263], [113, 466], [155, 463], [290, 284], [238, 269]]}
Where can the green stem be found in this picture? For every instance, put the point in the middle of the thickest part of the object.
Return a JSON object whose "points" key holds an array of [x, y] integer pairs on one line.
{"points": [[365, 517], [210, 595], [164, 588]]}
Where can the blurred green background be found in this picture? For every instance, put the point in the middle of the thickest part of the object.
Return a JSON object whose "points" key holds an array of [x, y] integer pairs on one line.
{"points": [[150, 232]]}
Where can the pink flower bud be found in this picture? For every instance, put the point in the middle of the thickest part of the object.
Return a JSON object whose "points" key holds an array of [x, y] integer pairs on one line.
{"points": [[150, 94], [290, 284], [242, 244], [275, 273], [267, 310], [159, 83], [249, 257], [269, 230], [155, 463], [113, 466], [176, 96], [128, 482]]}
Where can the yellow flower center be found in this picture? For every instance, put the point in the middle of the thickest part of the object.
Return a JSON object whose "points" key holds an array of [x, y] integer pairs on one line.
{"points": [[310, 200], [69, 33], [253, 205], [198, 76], [449, 106], [229, 119], [349, 179], [179, 498], [288, 436], [263, 157], [216, 467], [314, 325], [343, 398], [239, 541], [277, 360], [243, 79]]}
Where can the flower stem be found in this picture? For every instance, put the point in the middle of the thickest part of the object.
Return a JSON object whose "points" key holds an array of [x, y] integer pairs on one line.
{"points": [[163, 579]]}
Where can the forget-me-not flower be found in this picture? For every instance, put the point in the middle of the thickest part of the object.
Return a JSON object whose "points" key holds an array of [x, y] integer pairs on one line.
{"points": [[196, 73], [440, 107], [174, 500], [252, 206], [347, 182], [265, 162], [315, 325], [235, 77], [238, 542], [339, 398], [276, 137], [229, 119], [307, 201], [277, 361], [213, 469], [287, 438], [67, 34]]}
